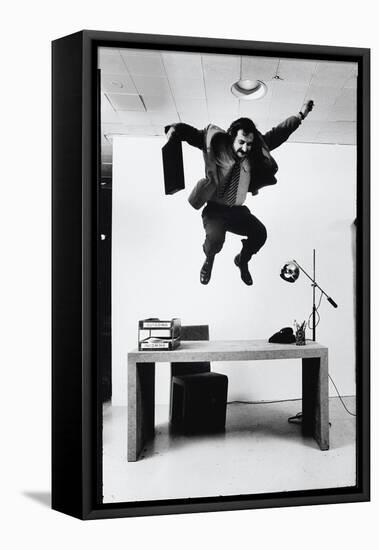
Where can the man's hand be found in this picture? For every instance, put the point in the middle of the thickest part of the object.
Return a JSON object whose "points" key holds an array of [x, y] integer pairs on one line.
{"points": [[307, 107]]}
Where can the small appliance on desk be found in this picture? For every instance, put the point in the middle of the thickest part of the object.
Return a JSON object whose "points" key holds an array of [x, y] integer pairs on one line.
{"points": [[156, 334]]}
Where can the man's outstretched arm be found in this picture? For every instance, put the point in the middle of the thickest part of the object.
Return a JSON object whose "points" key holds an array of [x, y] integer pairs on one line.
{"points": [[185, 132], [282, 132]]}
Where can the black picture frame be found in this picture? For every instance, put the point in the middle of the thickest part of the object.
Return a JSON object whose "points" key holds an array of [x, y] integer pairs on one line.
{"points": [[77, 387]]}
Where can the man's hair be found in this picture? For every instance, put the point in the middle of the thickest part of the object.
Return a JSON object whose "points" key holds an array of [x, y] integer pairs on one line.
{"points": [[244, 124]]}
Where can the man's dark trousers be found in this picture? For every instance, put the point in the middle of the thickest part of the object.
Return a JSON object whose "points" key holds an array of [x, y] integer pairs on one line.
{"points": [[218, 218]]}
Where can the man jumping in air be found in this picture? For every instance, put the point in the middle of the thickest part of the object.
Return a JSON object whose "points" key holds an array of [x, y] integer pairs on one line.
{"points": [[236, 162]]}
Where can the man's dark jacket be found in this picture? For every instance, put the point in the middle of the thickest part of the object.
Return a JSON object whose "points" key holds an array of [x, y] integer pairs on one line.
{"points": [[219, 158]]}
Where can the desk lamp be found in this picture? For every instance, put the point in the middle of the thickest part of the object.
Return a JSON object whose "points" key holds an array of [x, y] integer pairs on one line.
{"points": [[291, 271]]}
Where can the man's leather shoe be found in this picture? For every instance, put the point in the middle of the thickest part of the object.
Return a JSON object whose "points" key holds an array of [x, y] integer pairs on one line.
{"points": [[243, 267], [206, 270]]}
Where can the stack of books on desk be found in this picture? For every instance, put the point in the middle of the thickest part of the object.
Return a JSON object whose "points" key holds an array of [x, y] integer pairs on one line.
{"points": [[158, 334]]}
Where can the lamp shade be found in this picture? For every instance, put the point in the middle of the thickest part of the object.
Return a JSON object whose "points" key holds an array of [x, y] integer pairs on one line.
{"points": [[290, 272], [249, 89]]}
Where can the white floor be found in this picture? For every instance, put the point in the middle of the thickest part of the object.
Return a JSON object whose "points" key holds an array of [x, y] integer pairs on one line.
{"points": [[260, 452]]}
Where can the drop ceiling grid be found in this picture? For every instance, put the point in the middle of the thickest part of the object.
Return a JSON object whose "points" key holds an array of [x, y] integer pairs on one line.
{"points": [[181, 86]]}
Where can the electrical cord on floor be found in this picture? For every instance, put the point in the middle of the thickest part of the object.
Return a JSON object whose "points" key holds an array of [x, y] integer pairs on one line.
{"points": [[338, 393], [261, 402], [297, 419]]}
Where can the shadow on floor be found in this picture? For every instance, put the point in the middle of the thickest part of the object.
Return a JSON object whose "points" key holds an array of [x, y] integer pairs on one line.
{"points": [[165, 441], [42, 497], [259, 420]]}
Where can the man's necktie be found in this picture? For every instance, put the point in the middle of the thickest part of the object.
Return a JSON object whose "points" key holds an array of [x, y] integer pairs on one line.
{"points": [[231, 190]]}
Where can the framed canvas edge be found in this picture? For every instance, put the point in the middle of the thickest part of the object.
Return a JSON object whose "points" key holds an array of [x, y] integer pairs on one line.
{"points": [[81, 494], [67, 319]]}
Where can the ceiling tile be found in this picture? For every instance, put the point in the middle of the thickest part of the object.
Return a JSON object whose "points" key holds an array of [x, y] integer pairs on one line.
{"points": [[259, 68], [289, 92], [347, 140], [189, 104], [117, 84], [332, 73], [125, 102], [217, 88], [272, 123], [351, 83], [321, 113], [224, 115], [182, 65], [280, 110], [337, 127], [162, 118], [139, 52], [300, 139], [254, 109], [338, 132], [133, 117], [221, 67], [149, 85], [345, 107], [144, 65], [188, 114], [307, 131], [110, 61], [220, 95], [351, 65], [323, 94], [187, 88], [159, 103], [220, 102], [143, 130], [296, 70], [324, 98]]}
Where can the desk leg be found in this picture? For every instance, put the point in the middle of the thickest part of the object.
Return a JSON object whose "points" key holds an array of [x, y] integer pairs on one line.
{"points": [[141, 406], [316, 399]]}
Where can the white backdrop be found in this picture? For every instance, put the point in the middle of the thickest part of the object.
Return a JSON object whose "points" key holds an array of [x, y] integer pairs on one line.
{"points": [[27, 31], [157, 255]]}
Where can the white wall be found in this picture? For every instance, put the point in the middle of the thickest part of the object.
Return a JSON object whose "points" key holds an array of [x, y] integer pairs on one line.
{"points": [[157, 256]]}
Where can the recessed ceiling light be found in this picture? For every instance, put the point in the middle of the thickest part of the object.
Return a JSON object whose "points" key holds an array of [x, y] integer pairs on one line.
{"points": [[249, 89]]}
